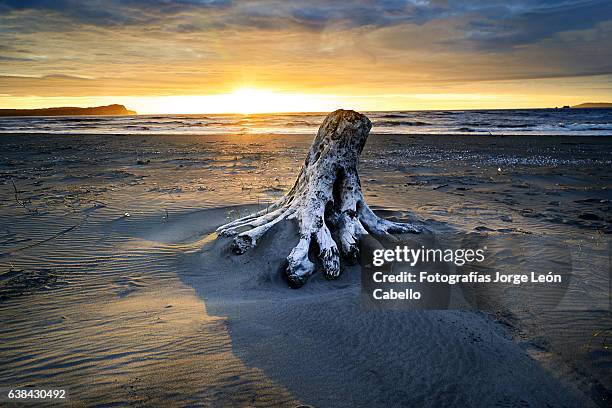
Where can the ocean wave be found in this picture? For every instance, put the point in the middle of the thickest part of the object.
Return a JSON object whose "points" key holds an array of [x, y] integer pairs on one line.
{"points": [[515, 125], [392, 116], [136, 127], [305, 123], [476, 124], [385, 123], [532, 122], [589, 126]]}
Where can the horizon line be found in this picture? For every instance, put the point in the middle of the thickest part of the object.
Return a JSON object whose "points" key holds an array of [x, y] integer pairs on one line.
{"points": [[564, 107]]}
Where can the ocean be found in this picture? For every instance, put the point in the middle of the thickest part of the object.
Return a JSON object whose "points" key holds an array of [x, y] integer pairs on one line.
{"points": [[582, 122]]}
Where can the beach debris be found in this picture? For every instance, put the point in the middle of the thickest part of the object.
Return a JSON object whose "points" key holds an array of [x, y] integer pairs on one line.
{"points": [[97, 204], [25, 204], [589, 217], [20, 282], [327, 202]]}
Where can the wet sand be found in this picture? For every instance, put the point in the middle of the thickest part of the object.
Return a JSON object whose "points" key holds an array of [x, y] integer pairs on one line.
{"points": [[114, 286]]}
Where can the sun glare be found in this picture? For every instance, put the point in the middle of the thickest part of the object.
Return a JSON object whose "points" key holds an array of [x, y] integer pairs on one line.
{"points": [[250, 100], [254, 100], [242, 100]]}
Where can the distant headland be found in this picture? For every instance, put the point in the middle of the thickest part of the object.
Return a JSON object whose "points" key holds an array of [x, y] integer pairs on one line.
{"points": [[593, 105], [114, 109]]}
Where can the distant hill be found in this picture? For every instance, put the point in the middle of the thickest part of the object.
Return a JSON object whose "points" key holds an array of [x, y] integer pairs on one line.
{"points": [[593, 105], [69, 111]]}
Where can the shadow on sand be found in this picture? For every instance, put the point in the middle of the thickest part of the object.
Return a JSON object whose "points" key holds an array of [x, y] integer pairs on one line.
{"points": [[326, 350]]}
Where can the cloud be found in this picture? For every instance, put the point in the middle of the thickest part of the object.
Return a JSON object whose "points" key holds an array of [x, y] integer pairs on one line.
{"points": [[9, 58], [66, 76], [111, 13], [145, 47], [486, 22], [512, 24]]}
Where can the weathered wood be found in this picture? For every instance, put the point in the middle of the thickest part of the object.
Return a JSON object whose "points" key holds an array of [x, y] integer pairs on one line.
{"points": [[326, 200]]}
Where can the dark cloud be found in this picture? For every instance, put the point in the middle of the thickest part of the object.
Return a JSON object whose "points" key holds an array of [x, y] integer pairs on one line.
{"points": [[488, 23], [113, 12], [514, 23]]}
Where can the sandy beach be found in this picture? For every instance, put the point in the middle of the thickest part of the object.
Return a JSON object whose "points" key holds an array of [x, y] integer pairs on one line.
{"points": [[115, 286]]}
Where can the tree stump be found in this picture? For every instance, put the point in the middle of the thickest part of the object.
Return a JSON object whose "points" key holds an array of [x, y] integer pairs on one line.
{"points": [[327, 202]]}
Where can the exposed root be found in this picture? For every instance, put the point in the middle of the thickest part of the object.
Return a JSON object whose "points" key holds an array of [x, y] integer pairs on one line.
{"points": [[248, 239], [328, 253], [327, 202], [380, 226], [232, 229], [245, 220], [299, 267], [349, 232]]}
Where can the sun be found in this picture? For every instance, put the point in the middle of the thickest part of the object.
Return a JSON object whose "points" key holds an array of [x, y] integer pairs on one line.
{"points": [[254, 100]]}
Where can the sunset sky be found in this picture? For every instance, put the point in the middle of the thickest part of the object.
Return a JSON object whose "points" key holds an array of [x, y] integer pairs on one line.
{"points": [[202, 56]]}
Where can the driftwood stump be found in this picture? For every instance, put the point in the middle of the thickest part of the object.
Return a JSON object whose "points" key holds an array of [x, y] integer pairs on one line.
{"points": [[326, 200]]}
